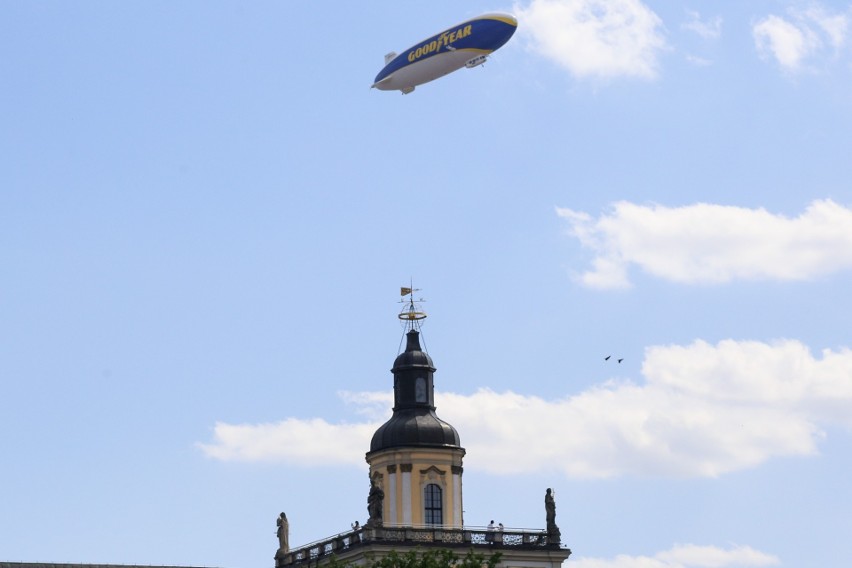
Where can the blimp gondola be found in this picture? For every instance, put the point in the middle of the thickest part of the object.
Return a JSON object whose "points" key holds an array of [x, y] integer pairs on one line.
{"points": [[467, 44]]}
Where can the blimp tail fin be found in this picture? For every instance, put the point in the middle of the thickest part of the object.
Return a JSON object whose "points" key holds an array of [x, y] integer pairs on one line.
{"points": [[389, 57]]}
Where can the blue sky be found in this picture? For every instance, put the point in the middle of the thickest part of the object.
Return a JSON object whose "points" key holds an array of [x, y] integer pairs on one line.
{"points": [[206, 214]]}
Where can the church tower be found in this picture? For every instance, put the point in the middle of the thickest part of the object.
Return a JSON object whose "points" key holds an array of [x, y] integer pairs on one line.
{"points": [[415, 458], [415, 497]]}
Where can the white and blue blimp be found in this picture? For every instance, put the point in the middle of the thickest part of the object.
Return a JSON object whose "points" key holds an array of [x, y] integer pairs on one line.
{"points": [[467, 44]]}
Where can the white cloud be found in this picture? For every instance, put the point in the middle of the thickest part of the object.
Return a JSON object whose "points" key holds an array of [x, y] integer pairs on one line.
{"points": [[294, 441], [702, 411], [788, 43], [686, 556], [713, 244], [707, 28], [834, 26], [800, 36], [595, 38]]}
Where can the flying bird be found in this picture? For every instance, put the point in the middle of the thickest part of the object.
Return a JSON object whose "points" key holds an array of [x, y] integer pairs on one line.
{"points": [[607, 357], [620, 360]]}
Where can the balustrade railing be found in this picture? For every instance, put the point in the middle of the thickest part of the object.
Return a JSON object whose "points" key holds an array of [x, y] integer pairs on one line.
{"points": [[409, 535]]}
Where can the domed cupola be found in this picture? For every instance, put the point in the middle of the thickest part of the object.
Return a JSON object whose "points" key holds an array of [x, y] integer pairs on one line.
{"points": [[415, 458], [414, 422]]}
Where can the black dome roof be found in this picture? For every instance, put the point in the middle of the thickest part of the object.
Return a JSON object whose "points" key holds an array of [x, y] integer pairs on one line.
{"points": [[414, 422], [413, 358], [414, 427]]}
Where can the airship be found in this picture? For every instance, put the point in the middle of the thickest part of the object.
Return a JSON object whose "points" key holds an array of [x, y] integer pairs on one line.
{"points": [[467, 44]]}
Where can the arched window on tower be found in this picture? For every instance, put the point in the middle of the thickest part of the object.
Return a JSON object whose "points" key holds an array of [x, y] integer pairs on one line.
{"points": [[434, 508]]}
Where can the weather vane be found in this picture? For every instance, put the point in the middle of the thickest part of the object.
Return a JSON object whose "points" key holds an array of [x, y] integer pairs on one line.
{"points": [[411, 315]]}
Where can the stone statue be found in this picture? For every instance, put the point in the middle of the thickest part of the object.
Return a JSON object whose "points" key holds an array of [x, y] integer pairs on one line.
{"points": [[374, 504], [283, 534], [554, 536], [550, 507]]}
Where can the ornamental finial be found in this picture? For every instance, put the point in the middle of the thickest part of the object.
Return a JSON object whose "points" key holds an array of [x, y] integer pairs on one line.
{"points": [[411, 315]]}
